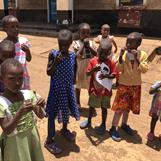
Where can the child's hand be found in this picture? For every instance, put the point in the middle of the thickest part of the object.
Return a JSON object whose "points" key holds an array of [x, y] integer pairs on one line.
{"points": [[102, 76], [26, 107], [86, 43], [39, 108], [135, 53], [96, 68], [25, 48], [121, 54], [158, 50]]}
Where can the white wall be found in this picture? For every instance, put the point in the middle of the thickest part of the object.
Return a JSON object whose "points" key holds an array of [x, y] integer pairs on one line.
{"points": [[1, 4]]}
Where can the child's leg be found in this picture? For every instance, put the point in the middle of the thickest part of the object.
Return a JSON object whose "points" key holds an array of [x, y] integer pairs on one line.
{"points": [[70, 136], [102, 128], [113, 131], [125, 117], [50, 145], [104, 116], [153, 123], [51, 128], [116, 119], [77, 92], [87, 123], [124, 125]]}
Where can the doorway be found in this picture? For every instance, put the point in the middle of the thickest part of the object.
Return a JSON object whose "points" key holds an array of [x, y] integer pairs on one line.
{"points": [[52, 11]]}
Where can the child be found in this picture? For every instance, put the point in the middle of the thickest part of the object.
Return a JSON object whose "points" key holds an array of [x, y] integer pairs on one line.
{"points": [[105, 36], [20, 138], [155, 111], [61, 100], [10, 25], [85, 50], [99, 96], [132, 62], [7, 50]]}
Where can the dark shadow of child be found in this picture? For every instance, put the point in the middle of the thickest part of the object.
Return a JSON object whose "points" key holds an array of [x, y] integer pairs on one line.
{"points": [[65, 145], [155, 144], [135, 138], [94, 138]]}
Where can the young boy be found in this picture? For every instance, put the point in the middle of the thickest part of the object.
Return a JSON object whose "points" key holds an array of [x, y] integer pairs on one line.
{"points": [[132, 63], [100, 68], [7, 50]]}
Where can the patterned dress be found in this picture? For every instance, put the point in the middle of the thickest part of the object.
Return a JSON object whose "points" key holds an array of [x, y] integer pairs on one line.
{"points": [[23, 144], [61, 99], [21, 57]]}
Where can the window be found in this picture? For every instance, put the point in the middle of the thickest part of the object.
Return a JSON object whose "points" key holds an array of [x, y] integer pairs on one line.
{"points": [[130, 2], [11, 3]]}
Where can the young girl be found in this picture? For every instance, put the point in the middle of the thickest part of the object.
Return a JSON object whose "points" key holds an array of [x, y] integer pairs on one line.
{"points": [[20, 139], [155, 111], [84, 50], [61, 100], [105, 36], [132, 62], [10, 25], [7, 50]]}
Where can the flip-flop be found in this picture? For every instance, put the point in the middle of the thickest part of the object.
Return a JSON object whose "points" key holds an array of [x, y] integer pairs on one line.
{"points": [[53, 148], [70, 136], [85, 124]]}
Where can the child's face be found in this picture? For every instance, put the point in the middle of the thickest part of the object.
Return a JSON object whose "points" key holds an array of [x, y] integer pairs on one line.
{"points": [[84, 33], [105, 31], [13, 78], [103, 54], [64, 45], [132, 43], [6, 54], [12, 28]]}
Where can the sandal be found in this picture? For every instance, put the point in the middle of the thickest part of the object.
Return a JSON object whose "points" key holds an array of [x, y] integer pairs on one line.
{"points": [[150, 136], [52, 148], [85, 124], [70, 136]]}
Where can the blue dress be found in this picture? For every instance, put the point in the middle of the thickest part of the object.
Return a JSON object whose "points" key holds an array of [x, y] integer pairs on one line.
{"points": [[61, 99]]}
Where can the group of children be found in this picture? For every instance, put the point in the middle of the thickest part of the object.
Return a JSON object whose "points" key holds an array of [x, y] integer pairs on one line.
{"points": [[86, 67]]}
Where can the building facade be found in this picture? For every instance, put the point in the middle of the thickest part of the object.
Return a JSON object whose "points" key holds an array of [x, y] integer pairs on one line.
{"points": [[118, 13]]}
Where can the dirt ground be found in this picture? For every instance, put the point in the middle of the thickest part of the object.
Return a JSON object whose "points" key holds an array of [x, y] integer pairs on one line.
{"points": [[89, 146]]}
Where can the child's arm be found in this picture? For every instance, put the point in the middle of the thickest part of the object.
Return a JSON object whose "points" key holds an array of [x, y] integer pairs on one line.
{"points": [[8, 125], [39, 108], [92, 70], [114, 44], [156, 51], [26, 49], [97, 40], [142, 63], [154, 88], [52, 63]]}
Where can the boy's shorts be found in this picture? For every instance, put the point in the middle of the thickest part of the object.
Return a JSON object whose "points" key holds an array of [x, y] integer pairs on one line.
{"points": [[99, 101]]}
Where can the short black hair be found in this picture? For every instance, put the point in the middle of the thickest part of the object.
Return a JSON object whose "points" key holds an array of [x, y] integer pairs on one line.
{"points": [[105, 26], [84, 25], [7, 45], [7, 19], [138, 36], [8, 63], [65, 35], [105, 45]]}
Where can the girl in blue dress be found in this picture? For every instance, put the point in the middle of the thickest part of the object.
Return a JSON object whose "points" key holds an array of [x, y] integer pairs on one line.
{"points": [[61, 99]]}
